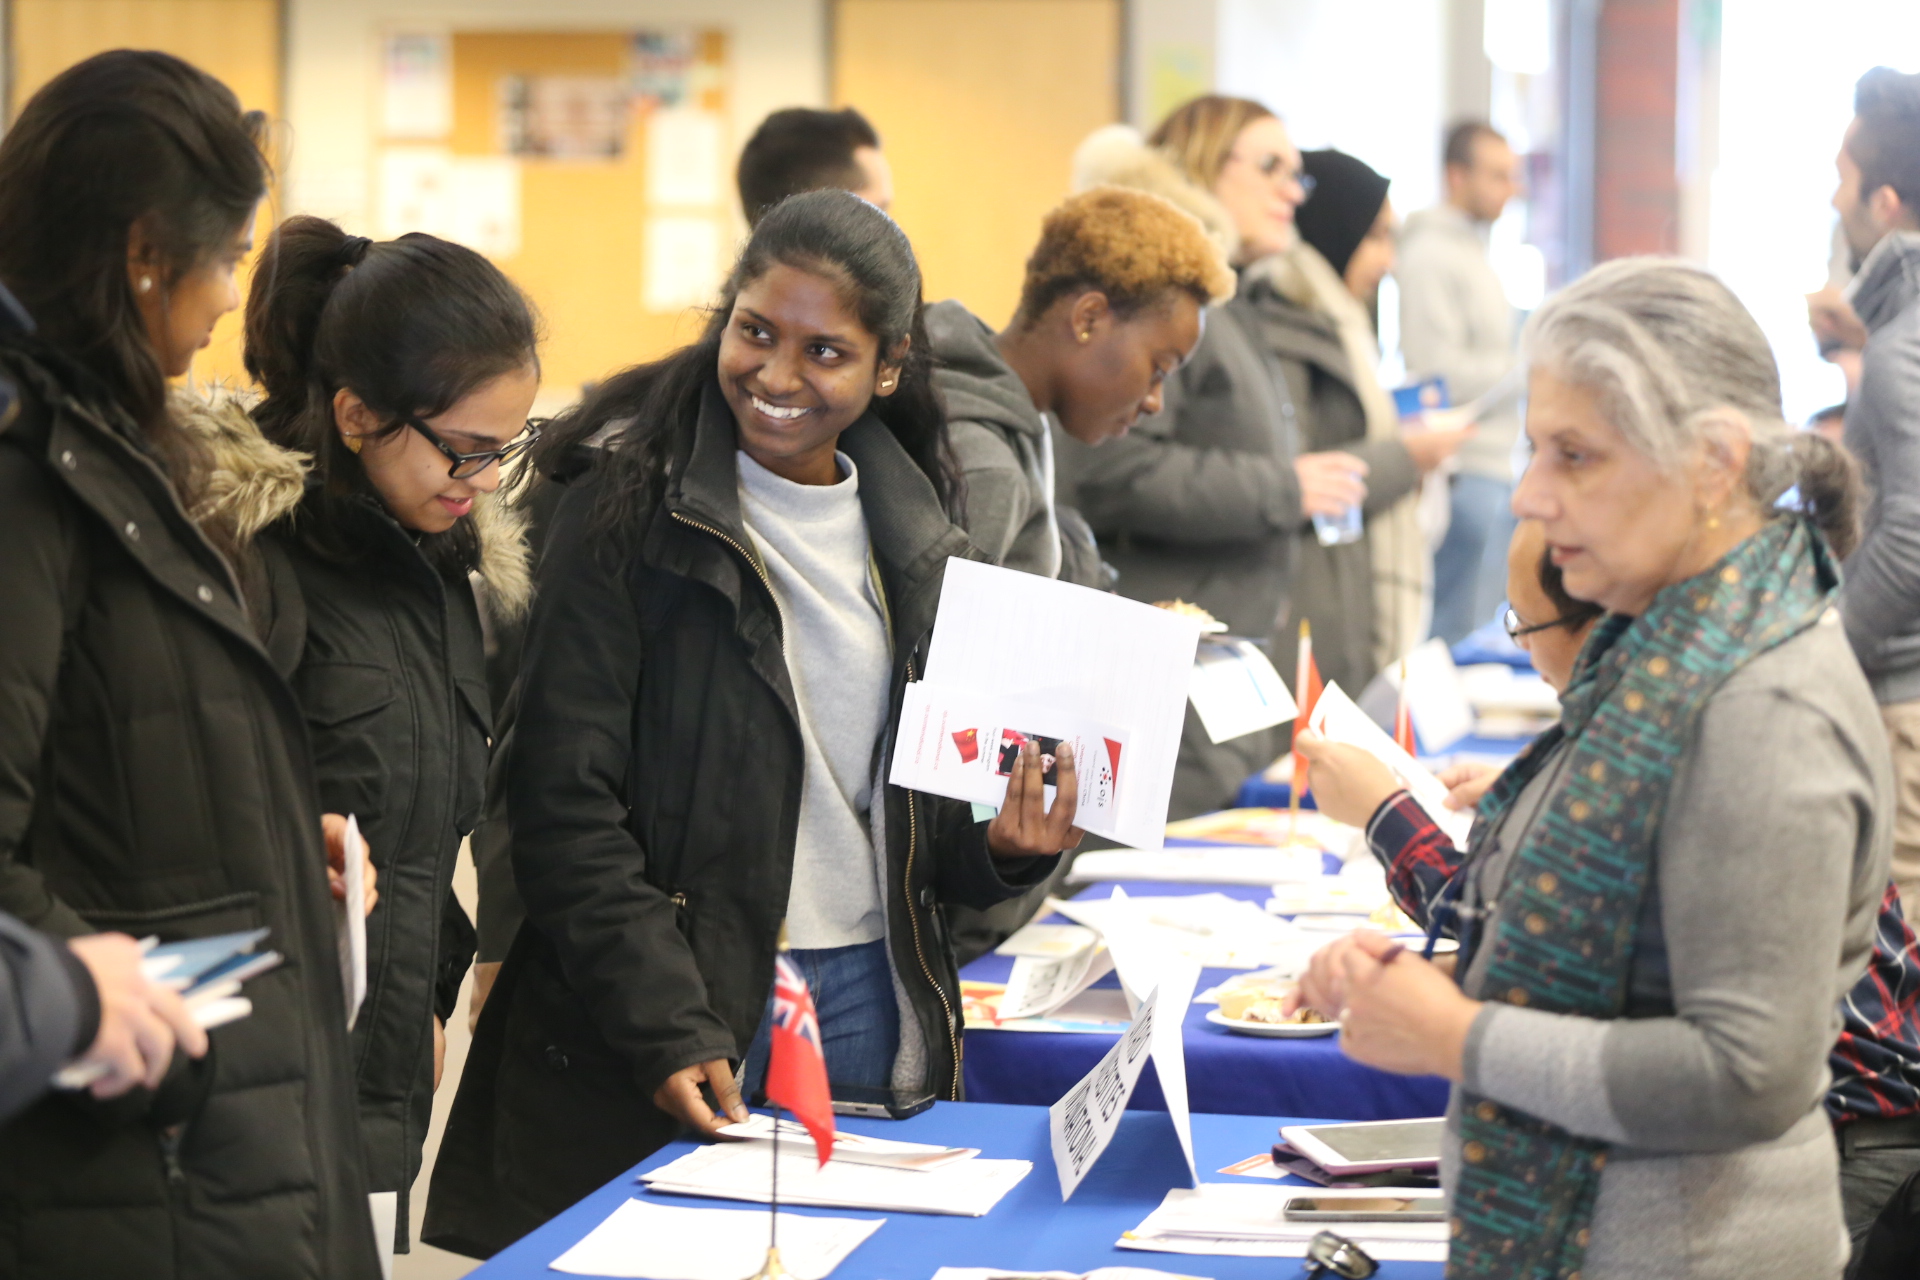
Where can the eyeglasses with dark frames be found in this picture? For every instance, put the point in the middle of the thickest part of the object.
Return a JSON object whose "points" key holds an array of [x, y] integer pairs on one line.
{"points": [[1518, 630], [1334, 1255], [465, 466]]}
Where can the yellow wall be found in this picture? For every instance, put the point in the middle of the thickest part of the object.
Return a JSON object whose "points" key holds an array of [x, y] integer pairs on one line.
{"points": [[237, 41], [979, 105]]}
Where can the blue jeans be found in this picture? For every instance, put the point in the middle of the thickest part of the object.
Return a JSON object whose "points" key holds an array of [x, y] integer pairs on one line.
{"points": [[1470, 568], [852, 991]]}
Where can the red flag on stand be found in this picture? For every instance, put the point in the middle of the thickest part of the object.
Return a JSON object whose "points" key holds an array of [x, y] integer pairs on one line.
{"points": [[1306, 692], [796, 1066], [1403, 718]]}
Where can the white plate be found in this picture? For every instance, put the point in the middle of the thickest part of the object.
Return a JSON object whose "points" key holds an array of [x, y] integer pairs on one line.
{"points": [[1273, 1030]]}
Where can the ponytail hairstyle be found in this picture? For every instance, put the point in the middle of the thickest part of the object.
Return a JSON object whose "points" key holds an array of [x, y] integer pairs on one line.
{"points": [[646, 412], [124, 137], [411, 326], [1668, 350]]}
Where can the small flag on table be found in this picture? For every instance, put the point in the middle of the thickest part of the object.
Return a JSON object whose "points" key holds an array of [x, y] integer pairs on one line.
{"points": [[1306, 692], [796, 1067]]}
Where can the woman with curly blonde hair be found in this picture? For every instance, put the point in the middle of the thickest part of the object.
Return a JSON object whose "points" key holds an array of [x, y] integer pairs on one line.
{"points": [[1112, 304]]}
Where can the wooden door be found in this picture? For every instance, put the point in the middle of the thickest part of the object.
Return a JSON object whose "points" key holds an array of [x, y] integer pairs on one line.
{"points": [[979, 105]]}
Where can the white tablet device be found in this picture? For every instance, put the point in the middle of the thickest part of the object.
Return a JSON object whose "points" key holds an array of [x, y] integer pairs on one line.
{"points": [[1369, 1146]]}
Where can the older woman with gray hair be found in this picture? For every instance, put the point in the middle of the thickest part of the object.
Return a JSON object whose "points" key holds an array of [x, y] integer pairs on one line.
{"points": [[1667, 895]]}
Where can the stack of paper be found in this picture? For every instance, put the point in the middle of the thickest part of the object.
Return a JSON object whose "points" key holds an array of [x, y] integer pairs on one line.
{"points": [[207, 972], [853, 1148], [667, 1242], [1249, 1220], [1274, 828], [744, 1171], [1209, 929], [1218, 865]]}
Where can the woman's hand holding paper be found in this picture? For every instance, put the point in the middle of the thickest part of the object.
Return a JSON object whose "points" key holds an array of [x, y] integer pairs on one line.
{"points": [[1348, 783], [1025, 827]]}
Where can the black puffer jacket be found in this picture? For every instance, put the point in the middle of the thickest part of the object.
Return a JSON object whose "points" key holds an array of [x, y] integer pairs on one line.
{"points": [[385, 654], [155, 778], [654, 788]]}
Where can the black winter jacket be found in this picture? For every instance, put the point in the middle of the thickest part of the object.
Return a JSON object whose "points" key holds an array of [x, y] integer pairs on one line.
{"points": [[654, 791], [385, 654], [155, 778]]}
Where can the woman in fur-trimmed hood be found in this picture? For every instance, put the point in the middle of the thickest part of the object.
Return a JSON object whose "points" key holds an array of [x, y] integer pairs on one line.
{"points": [[405, 372]]}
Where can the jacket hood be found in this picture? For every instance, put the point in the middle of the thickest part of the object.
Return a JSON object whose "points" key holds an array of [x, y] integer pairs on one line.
{"points": [[974, 381], [1117, 156], [255, 482], [1888, 281]]}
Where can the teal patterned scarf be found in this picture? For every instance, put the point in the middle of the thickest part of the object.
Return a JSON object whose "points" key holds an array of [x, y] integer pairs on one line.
{"points": [[1566, 932]]}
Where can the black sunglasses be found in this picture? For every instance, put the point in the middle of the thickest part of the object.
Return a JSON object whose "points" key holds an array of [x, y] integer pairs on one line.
{"points": [[1329, 1254], [467, 465]]}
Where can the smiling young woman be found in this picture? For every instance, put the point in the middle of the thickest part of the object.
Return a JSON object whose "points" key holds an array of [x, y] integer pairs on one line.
{"points": [[739, 582], [405, 370]]}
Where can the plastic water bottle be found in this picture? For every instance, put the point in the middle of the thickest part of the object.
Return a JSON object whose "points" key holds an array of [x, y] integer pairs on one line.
{"points": [[1337, 531]]}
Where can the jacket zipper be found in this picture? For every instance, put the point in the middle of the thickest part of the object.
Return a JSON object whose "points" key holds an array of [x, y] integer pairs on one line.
{"points": [[751, 559], [919, 949], [170, 1139]]}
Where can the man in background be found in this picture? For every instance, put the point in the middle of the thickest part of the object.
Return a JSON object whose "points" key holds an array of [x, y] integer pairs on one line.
{"points": [[1456, 323], [802, 149], [1878, 200]]}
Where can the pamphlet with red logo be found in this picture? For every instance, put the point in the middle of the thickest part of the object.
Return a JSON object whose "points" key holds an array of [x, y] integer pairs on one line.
{"points": [[966, 746]]}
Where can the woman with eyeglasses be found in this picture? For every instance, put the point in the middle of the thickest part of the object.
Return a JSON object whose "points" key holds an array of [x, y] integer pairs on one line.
{"points": [[405, 370], [1203, 501]]}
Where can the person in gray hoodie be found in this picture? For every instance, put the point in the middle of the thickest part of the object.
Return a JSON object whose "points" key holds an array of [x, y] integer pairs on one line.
{"points": [[1113, 304], [1111, 307], [1878, 200]]}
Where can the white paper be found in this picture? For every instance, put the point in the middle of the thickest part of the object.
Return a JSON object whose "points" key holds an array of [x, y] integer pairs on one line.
{"points": [[1039, 985], [1146, 961], [484, 205], [385, 1207], [684, 150], [416, 98], [1036, 939], [854, 1148], [416, 191], [965, 745], [683, 263], [1249, 1220], [670, 1242], [353, 922], [1436, 696], [743, 1171], [1336, 716], [1082, 1123], [1235, 690], [1088, 653], [1247, 865], [1209, 929]]}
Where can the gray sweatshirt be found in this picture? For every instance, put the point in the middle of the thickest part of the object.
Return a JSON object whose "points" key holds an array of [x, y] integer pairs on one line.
{"points": [[1456, 323], [1881, 599], [1005, 451], [812, 539], [1769, 868]]}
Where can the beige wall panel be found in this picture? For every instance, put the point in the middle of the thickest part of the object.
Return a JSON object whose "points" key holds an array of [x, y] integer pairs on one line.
{"points": [[237, 41], [979, 104]]}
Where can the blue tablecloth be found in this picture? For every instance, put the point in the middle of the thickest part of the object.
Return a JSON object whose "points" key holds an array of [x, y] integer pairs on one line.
{"points": [[1226, 1072], [1030, 1230]]}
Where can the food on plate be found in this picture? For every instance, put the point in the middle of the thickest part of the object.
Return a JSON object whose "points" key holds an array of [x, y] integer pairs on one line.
{"points": [[1264, 1004], [1208, 623], [1393, 919]]}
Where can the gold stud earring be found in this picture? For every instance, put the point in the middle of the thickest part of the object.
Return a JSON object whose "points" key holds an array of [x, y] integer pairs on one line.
{"points": [[1713, 522], [1086, 335], [352, 443]]}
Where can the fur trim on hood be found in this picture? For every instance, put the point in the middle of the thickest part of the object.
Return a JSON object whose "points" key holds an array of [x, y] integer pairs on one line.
{"points": [[255, 482], [1117, 156]]}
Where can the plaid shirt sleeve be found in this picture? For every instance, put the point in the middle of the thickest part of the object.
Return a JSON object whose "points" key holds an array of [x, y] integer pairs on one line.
{"points": [[1876, 1061], [1419, 857]]}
